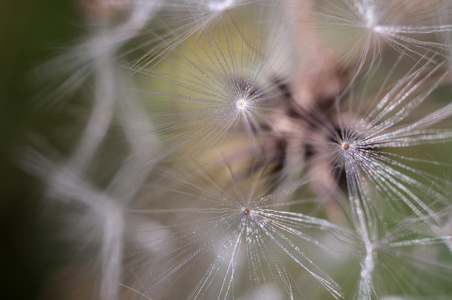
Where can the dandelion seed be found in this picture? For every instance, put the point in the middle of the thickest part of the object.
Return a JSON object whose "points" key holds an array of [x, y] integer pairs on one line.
{"points": [[90, 206], [95, 54], [361, 30], [216, 240], [178, 20], [223, 80], [406, 250], [102, 214], [358, 144]]}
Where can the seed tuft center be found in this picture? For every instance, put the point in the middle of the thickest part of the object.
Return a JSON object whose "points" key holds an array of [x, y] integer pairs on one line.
{"points": [[241, 103]]}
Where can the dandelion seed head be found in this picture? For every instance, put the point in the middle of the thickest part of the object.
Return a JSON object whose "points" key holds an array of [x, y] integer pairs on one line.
{"points": [[215, 74]]}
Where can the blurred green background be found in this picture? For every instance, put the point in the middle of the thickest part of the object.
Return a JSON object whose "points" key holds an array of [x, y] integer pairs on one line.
{"points": [[30, 30]]}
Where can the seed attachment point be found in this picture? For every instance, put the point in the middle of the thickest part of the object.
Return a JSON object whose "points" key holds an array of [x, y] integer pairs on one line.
{"points": [[220, 5], [345, 146], [241, 104], [246, 211]]}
